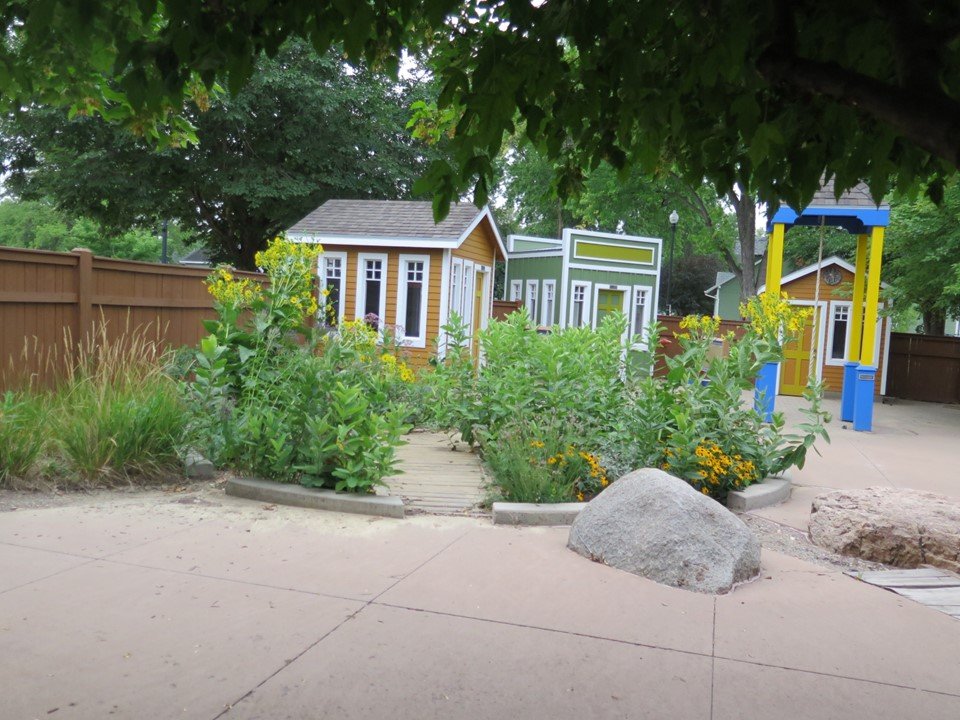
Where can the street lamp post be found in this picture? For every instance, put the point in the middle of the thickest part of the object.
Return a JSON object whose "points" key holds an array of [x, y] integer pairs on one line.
{"points": [[674, 219]]}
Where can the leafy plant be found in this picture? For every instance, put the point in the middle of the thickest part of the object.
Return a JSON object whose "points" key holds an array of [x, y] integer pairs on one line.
{"points": [[349, 446]]}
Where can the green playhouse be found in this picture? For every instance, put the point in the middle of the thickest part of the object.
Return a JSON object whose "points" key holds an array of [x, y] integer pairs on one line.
{"points": [[577, 280]]}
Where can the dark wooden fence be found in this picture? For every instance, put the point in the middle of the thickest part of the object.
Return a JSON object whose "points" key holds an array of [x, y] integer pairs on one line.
{"points": [[502, 308], [50, 298], [924, 367]]}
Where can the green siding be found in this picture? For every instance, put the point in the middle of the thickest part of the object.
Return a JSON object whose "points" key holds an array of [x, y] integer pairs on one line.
{"points": [[524, 245], [539, 269], [729, 296]]}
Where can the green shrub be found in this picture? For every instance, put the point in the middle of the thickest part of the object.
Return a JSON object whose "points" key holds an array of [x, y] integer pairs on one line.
{"points": [[549, 459], [348, 446], [290, 403], [23, 417]]}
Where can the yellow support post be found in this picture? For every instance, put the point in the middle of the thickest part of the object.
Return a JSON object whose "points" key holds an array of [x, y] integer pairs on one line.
{"points": [[856, 306], [775, 259], [873, 299]]}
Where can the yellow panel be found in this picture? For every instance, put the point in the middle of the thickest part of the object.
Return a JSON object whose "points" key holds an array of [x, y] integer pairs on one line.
{"points": [[856, 326], [642, 256], [775, 259], [873, 298]]}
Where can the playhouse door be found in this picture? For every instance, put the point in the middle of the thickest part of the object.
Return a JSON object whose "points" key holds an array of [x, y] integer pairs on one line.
{"points": [[608, 301], [477, 313], [796, 362]]}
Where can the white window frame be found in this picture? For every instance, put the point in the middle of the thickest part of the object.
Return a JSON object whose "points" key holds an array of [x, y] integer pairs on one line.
{"points": [[417, 341], [830, 331], [547, 320], [467, 296], [361, 293], [322, 275], [516, 290], [587, 294], [531, 298], [647, 292], [456, 287]]}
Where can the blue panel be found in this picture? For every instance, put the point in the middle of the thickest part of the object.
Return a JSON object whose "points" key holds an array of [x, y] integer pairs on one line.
{"points": [[849, 390], [855, 220], [766, 391], [863, 401]]}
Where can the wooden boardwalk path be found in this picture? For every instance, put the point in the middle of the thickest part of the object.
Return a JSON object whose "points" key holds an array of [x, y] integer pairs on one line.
{"points": [[437, 479]]}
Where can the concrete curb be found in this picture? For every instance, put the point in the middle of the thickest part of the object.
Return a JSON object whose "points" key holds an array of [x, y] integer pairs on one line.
{"points": [[772, 491], [528, 514], [299, 496]]}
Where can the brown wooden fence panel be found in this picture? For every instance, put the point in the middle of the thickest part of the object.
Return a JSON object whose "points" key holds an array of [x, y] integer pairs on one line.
{"points": [[47, 297], [502, 308], [924, 367]]}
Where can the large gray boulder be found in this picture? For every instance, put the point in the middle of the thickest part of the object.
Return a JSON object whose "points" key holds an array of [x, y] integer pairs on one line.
{"points": [[655, 525], [899, 527]]}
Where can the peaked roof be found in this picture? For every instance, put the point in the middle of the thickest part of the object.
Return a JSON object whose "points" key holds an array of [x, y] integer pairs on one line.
{"points": [[386, 218], [857, 196]]}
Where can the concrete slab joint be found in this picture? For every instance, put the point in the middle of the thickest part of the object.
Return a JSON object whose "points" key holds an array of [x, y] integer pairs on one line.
{"points": [[299, 496], [770, 491]]}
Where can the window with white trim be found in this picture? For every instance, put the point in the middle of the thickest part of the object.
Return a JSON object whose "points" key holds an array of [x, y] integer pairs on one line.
{"points": [[455, 287], [412, 298], [839, 332], [372, 289], [333, 269], [580, 305], [516, 290], [638, 319], [531, 301], [549, 291], [467, 303]]}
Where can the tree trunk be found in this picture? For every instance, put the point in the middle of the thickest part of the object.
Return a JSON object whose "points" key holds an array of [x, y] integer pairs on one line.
{"points": [[933, 322], [745, 207]]}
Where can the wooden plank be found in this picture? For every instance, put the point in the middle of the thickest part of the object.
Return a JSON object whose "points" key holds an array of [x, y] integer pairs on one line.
{"points": [[32, 297]]}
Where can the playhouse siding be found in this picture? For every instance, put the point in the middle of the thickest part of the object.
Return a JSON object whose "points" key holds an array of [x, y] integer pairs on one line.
{"points": [[539, 269], [804, 288], [728, 306], [417, 356], [480, 246]]}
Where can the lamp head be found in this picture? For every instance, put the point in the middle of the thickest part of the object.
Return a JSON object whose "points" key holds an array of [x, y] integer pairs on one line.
{"points": [[674, 217]]}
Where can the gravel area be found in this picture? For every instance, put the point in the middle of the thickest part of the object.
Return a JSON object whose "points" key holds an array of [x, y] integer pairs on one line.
{"points": [[790, 541]]}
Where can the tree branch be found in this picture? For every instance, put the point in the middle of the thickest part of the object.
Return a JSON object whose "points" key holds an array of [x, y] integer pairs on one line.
{"points": [[931, 120]]}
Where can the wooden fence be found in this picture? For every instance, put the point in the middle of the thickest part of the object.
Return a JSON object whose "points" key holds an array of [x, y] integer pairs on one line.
{"points": [[502, 308], [49, 298], [924, 367]]}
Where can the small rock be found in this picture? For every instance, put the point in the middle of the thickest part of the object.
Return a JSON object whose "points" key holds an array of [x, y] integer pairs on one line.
{"points": [[899, 527], [197, 467], [655, 525]]}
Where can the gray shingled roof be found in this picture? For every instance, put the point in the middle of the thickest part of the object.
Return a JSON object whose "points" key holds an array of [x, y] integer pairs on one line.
{"points": [[857, 196], [386, 219]]}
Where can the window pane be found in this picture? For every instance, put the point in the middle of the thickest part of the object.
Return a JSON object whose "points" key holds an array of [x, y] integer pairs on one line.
{"points": [[412, 319], [371, 304], [333, 302], [839, 339], [639, 313], [578, 313]]}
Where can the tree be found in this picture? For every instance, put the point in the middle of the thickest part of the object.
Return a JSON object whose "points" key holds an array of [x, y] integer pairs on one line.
{"points": [[769, 94], [40, 226], [306, 128], [923, 257]]}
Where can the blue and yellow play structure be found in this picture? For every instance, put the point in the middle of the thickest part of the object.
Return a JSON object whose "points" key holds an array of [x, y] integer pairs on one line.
{"points": [[860, 215]]}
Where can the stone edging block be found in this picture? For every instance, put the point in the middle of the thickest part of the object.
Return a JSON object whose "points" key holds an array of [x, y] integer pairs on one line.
{"points": [[320, 499], [506, 513], [772, 491]]}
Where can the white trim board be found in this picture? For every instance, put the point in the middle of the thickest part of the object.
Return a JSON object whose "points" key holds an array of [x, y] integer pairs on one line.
{"points": [[420, 340]]}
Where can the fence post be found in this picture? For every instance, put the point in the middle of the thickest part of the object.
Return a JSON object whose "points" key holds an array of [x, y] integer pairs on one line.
{"points": [[84, 292]]}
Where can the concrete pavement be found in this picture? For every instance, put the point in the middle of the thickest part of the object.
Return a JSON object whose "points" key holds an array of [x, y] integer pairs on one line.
{"points": [[148, 607]]}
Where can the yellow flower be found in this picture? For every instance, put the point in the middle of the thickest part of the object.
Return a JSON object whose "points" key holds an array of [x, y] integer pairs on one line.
{"points": [[536, 444], [580, 496]]}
